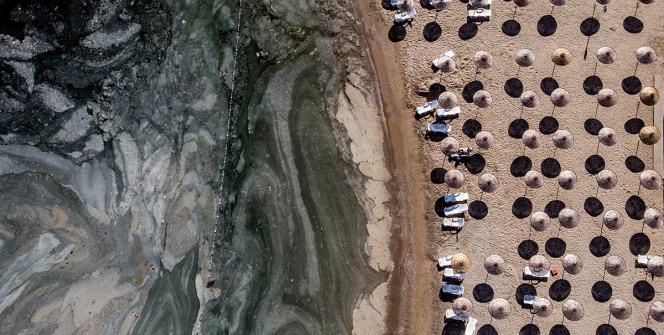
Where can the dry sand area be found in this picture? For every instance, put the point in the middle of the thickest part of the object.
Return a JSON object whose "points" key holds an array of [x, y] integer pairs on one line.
{"points": [[500, 231]]}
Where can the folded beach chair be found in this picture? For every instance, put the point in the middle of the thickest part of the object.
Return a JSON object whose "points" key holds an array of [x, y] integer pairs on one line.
{"points": [[427, 107], [450, 274], [642, 261], [479, 14], [470, 327], [448, 113], [438, 128], [456, 197], [529, 299], [445, 262], [527, 274], [440, 58], [455, 210], [450, 315], [453, 223], [401, 17], [453, 289]]}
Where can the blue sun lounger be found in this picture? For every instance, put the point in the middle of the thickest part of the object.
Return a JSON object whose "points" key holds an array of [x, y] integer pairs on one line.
{"points": [[438, 128]]}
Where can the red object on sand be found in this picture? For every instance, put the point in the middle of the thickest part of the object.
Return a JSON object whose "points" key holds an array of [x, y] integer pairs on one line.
{"points": [[554, 271]]}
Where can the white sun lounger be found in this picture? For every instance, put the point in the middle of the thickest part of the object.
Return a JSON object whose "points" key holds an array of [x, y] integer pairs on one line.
{"points": [[453, 289], [449, 273], [529, 274], [444, 54], [450, 315], [470, 327], [438, 128], [453, 223], [427, 107], [456, 197], [445, 262], [480, 14], [456, 209], [401, 17], [529, 299], [447, 113], [642, 261]]}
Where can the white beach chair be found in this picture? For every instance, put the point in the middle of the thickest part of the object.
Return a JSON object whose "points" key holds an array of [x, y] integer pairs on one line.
{"points": [[401, 17], [470, 327], [445, 262], [455, 210], [440, 58], [453, 289], [527, 274], [453, 223], [450, 274], [439, 128], [448, 113], [529, 299], [450, 315], [427, 107], [456, 197], [642, 261], [479, 14]]}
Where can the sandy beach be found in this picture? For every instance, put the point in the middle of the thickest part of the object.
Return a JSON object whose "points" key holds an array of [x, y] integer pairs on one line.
{"points": [[405, 78]]}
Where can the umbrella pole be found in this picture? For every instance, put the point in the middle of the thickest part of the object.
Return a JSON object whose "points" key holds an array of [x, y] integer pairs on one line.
{"points": [[638, 103], [553, 111], [636, 67], [554, 70], [637, 148], [518, 71], [637, 8], [596, 109]]}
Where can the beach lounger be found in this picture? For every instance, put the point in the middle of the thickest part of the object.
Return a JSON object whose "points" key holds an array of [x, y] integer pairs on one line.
{"points": [[444, 113], [480, 14], [401, 17], [450, 274], [470, 327], [450, 315], [438, 128], [453, 289], [445, 262], [427, 107], [529, 299], [453, 223], [455, 210], [444, 54], [456, 197], [642, 261], [527, 274]]}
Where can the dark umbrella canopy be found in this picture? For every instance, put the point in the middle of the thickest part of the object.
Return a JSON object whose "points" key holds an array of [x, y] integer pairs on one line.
{"points": [[522, 3], [606, 55], [603, 2], [524, 57]]}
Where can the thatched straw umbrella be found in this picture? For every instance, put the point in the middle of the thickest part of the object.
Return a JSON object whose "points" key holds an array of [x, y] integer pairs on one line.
{"points": [[649, 96], [607, 179], [483, 60], [529, 99], [651, 180], [657, 311], [607, 136], [613, 219], [540, 221], [532, 139], [539, 265], [620, 309], [561, 57], [494, 265], [482, 98], [606, 55], [567, 179], [542, 307], [449, 145], [656, 266], [649, 135], [446, 64], [454, 178], [573, 310], [560, 97], [484, 139], [568, 218], [460, 263], [607, 97], [654, 218], [646, 55], [615, 265], [534, 179], [487, 182], [462, 307], [563, 139], [524, 57], [499, 308], [572, 264], [447, 100]]}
